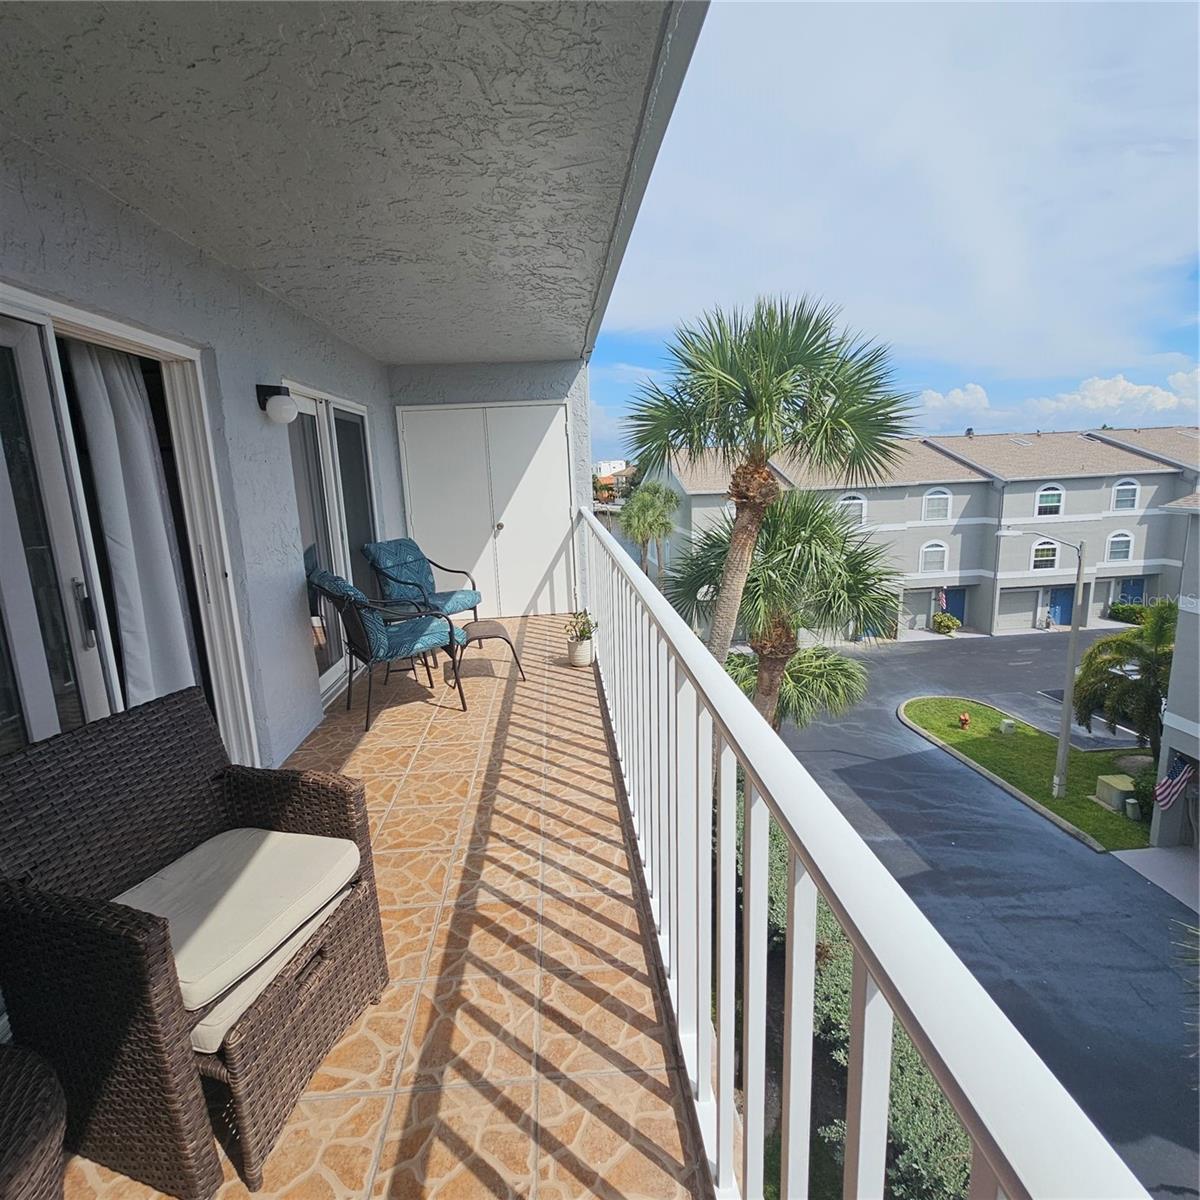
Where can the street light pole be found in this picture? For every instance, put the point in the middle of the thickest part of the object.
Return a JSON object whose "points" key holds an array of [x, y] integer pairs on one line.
{"points": [[1059, 785]]}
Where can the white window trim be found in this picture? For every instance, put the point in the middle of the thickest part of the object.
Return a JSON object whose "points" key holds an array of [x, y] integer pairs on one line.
{"points": [[199, 482], [1108, 541], [1137, 494], [934, 545], [1062, 503], [1042, 545], [938, 493], [856, 497]]}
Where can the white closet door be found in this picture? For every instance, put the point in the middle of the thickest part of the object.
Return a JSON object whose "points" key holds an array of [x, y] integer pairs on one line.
{"points": [[531, 500], [446, 495]]}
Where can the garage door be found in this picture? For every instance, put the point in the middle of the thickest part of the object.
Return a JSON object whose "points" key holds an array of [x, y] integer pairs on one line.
{"points": [[1018, 608], [916, 609], [488, 489]]}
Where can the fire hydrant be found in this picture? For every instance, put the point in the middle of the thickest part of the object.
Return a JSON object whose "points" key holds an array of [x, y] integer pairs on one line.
{"points": [[964, 720]]}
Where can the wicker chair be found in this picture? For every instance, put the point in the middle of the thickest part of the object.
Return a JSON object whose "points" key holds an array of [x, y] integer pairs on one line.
{"points": [[92, 985]]}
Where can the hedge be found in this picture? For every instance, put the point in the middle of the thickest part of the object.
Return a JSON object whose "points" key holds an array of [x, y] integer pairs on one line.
{"points": [[1130, 613], [930, 1154]]}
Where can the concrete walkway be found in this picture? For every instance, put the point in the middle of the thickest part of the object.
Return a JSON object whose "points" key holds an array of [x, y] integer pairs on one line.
{"points": [[1078, 948], [1172, 868]]}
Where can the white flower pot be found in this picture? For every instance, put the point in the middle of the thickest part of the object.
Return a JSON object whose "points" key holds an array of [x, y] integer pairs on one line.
{"points": [[580, 653]]}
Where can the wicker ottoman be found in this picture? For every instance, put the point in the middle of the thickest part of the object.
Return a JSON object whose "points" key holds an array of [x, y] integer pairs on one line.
{"points": [[33, 1118]]}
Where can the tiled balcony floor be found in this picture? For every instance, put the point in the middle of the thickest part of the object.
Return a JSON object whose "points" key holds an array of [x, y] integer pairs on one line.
{"points": [[522, 1047]]}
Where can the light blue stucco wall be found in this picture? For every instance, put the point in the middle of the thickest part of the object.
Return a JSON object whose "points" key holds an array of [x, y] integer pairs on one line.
{"points": [[67, 239]]}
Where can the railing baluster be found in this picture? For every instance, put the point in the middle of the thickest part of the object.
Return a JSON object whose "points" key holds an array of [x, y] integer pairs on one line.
{"points": [[726, 959], [755, 870], [671, 836], [661, 881], [687, 920], [704, 911], [800, 978], [867, 1086]]}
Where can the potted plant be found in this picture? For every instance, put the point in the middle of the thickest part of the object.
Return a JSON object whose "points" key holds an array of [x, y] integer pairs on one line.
{"points": [[579, 639]]}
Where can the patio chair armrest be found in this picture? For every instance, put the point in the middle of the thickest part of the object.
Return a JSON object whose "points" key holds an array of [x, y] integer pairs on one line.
{"points": [[454, 571], [91, 985], [412, 583], [311, 802]]}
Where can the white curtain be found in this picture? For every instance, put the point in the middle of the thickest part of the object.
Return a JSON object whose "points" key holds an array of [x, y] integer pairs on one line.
{"points": [[157, 651]]}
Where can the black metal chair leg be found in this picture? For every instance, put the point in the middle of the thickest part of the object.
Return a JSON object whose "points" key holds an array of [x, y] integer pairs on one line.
{"points": [[370, 678], [457, 678], [388, 673], [516, 659], [349, 679], [428, 672]]}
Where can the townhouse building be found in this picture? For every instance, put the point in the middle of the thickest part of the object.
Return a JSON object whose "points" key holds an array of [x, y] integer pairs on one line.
{"points": [[938, 509]]}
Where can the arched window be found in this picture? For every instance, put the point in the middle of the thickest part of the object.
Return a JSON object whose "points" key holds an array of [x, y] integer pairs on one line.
{"points": [[1049, 501], [1045, 556], [1119, 547], [936, 505], [854, 506], [1125, 495], [934, 557]]}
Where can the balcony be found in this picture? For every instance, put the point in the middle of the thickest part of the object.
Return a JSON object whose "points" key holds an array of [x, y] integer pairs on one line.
{"points": [[559, 944], [524, 1043]]}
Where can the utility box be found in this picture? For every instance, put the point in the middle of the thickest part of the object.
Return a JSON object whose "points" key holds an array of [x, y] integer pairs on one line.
{"points": [[1113, 790], [1008, 725]]}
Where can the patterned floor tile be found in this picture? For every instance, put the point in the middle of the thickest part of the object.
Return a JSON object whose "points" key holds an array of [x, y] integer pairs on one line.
{"points": [[580, 933], [472, 1143], [479, 1027], [487, 938], [408, 878], [407, 936], [425, 789], [420, 828], [615, 1137]]}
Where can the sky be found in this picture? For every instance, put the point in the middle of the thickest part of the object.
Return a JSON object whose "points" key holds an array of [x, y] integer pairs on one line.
{"points": [[1006, 194]]}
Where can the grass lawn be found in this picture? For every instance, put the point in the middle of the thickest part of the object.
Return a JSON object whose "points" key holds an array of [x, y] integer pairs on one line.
{"points": [[1025, 759]]}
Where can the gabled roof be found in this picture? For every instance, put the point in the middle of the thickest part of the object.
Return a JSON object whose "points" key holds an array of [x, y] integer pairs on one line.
{"points": [[1177, 444], [1188, 504], [1013, 456], [918, 462]]}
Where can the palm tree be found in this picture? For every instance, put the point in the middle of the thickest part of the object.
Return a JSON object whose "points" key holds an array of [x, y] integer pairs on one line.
{"points": [[649, 516], [781, 379], [813, 570], [1124, 677]]}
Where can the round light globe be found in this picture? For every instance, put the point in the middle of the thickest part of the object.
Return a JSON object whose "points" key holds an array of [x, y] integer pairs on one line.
{"points": [[282, 410]]}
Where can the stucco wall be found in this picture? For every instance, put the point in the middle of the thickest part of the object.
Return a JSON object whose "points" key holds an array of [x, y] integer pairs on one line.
{"points": [[491, 383], [67, 239]]}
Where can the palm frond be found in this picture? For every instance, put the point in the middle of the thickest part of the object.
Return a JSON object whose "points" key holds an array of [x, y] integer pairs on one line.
{"points": [[816, 680]]}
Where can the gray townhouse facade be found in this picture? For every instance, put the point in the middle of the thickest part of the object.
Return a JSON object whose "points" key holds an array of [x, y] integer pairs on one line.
{"points": [[943, 501]]}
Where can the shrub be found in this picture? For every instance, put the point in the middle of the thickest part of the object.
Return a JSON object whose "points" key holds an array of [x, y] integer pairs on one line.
{"points": [[1130, 613], [944, 622], [1143, 790], [930, 1152]]}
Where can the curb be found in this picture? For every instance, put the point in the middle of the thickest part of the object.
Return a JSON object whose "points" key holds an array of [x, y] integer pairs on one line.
{"points": [[1029, 801]]}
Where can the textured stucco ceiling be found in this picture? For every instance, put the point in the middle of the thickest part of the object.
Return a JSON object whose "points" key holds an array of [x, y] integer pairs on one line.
{"points": [[434, 182]]}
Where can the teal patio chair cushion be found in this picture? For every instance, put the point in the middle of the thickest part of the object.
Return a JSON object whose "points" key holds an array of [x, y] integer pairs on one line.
{"points": [[415, 636], [374, 626], [460, 600], [401, 559]]}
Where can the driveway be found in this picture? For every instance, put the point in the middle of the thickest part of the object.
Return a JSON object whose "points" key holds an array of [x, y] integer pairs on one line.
{"points": [[1076, 947]]}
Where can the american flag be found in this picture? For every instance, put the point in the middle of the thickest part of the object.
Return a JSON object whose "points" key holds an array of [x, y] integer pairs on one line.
{"points": [[1170, 786], [941, 599]]}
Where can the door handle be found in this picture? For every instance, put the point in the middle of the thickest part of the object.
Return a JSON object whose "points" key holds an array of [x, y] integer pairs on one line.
{"points": [[499, 526], [87, 613]]}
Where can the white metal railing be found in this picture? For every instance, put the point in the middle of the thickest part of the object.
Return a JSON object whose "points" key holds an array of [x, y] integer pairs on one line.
{"points": [[676, 717]]}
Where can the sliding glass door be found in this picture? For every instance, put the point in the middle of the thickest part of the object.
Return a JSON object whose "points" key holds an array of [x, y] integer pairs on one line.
{"points": [[332, 468], [51, 675]]}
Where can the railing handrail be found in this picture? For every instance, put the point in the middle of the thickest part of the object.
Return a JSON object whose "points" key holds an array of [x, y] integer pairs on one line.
{"points": [[1034, 1135]]}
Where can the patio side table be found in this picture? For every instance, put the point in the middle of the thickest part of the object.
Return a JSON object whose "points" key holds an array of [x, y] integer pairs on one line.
{"points": [[481, 631], [33, 1122]]}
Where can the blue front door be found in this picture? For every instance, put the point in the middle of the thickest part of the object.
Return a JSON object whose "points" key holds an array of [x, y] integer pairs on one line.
{"points": [[956, 604], [1061, 602], [1132, 591]]}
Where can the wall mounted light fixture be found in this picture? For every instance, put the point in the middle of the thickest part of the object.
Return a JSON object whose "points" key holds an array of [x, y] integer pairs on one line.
{"points": [[276, 401]]}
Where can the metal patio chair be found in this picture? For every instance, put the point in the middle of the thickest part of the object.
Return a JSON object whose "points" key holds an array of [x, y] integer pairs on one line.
{"points": [[405, 577]]}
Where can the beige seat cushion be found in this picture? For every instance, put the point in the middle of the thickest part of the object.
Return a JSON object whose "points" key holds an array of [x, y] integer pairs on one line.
{"points": [[209, 1033], [239, 896]]}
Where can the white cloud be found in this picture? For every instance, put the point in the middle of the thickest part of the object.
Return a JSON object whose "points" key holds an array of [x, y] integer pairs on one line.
{"points": [[627, 374], [606, 427], [1120, 397], [1011, 188], [970, 399]]}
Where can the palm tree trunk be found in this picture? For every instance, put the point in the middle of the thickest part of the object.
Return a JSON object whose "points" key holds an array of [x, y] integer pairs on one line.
{"points": [[661, 561], [645, 547], [733, 580], [771, 670]]}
